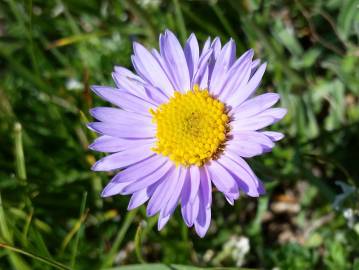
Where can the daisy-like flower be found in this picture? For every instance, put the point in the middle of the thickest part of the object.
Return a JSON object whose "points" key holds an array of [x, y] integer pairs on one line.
{"points": [[184, 124]]}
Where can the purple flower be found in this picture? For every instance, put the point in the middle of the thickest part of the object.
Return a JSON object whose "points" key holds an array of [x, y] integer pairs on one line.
{"points": [[187, 120]]}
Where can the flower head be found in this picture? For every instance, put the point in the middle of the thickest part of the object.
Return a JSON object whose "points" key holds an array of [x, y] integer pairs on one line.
{"points": [[187, 120]]}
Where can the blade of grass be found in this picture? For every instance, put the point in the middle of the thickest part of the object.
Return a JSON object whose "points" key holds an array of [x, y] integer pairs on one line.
{"points": [[40, 244], [39, 224], [227, 26], [109, 258], [138, 243], [202, 23], [83, 215], [180, 22], [22, 21], [53, 263], [19, 153], [75, 39], [26, 227], [143, 17], [6, 235], [31, 44]]}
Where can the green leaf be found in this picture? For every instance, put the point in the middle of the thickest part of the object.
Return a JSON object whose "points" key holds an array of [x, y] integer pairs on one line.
{"points": [[349, 14], [157, 266]]}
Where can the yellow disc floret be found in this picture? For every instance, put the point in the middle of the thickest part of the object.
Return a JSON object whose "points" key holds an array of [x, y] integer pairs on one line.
{"points": [[191, 127]]}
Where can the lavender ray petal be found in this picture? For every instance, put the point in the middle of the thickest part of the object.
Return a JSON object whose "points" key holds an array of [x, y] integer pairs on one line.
{"points": [[114, 115], [140, 170], [223, 63], [255, 105], [158, 175], [191, 52], [111, 144], [158, 201], [255, 186], [124, 131], [122, 159], [124, 99], [221, 178], [149, 69], [176, 192], [250, 87], [172, 52], [252, 123], [273, 135], [236, 77]]}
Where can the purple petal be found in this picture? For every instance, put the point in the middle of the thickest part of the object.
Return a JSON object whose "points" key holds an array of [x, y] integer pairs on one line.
{"points": [[159, 198], [250, 143], [252, 123], [252, 136], [174, 195], [123, 99], [108, 114], [276, 113], [113, 189], [230, 199], [191, 52], [194, 181], [126, 80], [244, 179], [129, 175], [274, 136], [156, 95], [249, 88], [255, 105], [203, 219], [172, 52], [140, 197], [186, 211], [253, 180], [204, 79], [162, 220], [140, 170], [255, 64], [110, 144], [150, 69], [127, 73], [158, 175], [140, 88], [201, 75], [124, 131], [205, 186], [206, 47], [221, 178], [123, 159], [245, 149], [237, 76], [223, 63], [216, 47]]}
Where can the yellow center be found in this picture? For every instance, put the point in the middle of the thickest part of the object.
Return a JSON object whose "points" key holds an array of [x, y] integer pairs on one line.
{"points": [[191, 127]]}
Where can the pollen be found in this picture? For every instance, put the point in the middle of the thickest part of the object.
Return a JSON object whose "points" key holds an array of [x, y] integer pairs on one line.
{"points": [[191, 127]]}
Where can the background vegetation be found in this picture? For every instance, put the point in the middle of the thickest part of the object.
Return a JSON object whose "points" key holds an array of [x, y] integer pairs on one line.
{"points": [[51, 214]]}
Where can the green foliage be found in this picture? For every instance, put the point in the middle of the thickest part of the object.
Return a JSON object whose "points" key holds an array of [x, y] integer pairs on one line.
{"points": [[294, 257], [51, 214]]}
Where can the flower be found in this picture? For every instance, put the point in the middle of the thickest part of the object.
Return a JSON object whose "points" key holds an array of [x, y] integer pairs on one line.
{"points": [[187, 120]]}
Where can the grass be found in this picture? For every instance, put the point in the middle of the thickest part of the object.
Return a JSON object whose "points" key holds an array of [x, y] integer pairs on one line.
{"points": [[51, 214]]}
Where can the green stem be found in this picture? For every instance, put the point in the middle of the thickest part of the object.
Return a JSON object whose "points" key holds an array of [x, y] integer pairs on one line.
{"points": [[53, 263], [108, 261], [180, 21], [138, 244], [80, 231], [19, 153]]}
